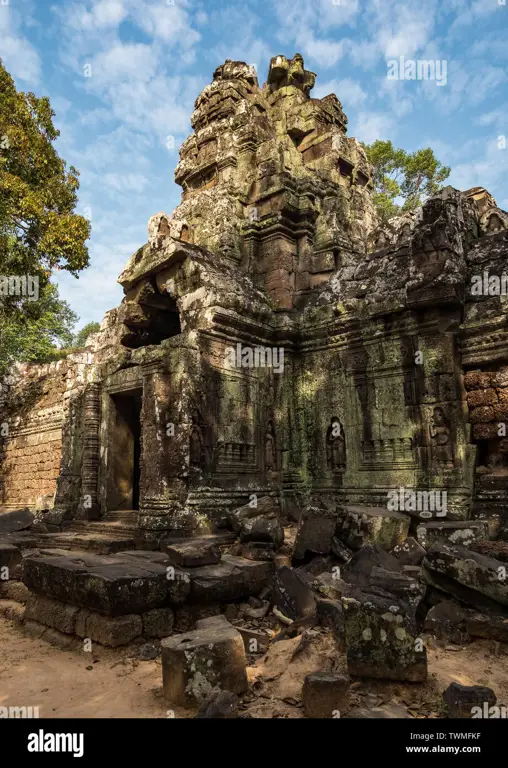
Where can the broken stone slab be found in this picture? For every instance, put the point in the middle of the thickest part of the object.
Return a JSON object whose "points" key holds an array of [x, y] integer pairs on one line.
{"points": [[197, 664], [221, 705], [489, 626], [316, 528], [372, 525], [17, 520], [460, 532], [447, 621], [234, 577], [359, 568], [114, 585], [325, 695], [410, 552], [52, 613], [259, 523], [158, 622], [340, 551], [381, 639], [467, 701], [193, 553], [258, 550], [111, 631], [410, 591], [10, 558], [292, 594], [460, 572]]}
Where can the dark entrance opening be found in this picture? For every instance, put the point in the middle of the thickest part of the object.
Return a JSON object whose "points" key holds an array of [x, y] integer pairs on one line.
{"points": [[125, 448]]}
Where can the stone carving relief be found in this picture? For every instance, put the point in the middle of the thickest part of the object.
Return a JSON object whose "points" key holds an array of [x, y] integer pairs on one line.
{"points": [[440, 436], [335, 447]]}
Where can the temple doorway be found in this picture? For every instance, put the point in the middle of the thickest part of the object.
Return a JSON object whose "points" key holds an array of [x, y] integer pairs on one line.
{"points": [[124, 445]]}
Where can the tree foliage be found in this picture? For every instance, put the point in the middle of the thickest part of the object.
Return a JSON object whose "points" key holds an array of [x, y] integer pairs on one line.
{"points": [[411, 176], [80, 338], [39, 230]]}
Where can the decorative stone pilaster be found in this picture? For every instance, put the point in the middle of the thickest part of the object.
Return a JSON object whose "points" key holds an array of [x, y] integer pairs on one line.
{"points": [[89, 507]]}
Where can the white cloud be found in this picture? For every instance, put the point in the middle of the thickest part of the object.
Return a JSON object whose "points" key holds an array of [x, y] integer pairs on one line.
{"points": [[369, 126], [348, 91], [20, 58]]}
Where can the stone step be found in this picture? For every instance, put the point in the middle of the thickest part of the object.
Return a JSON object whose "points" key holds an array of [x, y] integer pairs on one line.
{"points": [[88, 542]]}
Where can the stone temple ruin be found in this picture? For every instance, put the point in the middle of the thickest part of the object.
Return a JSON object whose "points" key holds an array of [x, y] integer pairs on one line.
{"points": [[280, 359]]}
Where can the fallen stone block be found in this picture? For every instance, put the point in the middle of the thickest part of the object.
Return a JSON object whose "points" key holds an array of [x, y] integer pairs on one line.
{"points": [[381, 639], [325, 695], [148, 652], [460, 532], [17, 520], [316, 528], [232, 578], [114, 585], [453, 568], [260, 523], [292, 594], [359, 568], [372, 525], [467, 701], [489, 626], [447, 621], [193, 553], [410, 552], [187, 616], [52, 613], [340, 551], [158, 622], [410, 591], [221, 705], [10, 558], [108, 630], [200, 663]]}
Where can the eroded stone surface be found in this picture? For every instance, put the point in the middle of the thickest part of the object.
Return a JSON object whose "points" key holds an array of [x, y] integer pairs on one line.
{"points": [[197, 664]]}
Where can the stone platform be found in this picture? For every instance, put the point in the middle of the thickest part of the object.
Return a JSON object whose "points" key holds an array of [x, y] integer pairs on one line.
{"points": [[115, 599]]}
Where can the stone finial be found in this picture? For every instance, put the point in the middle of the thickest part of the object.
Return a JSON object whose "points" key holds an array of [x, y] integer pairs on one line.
{"points": [[290, 72]]}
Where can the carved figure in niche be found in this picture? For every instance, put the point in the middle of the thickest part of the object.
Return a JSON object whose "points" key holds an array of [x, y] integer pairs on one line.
{"points": [[495, 224], [197, 443], [335, 446], [442, 448], [270, 455]]}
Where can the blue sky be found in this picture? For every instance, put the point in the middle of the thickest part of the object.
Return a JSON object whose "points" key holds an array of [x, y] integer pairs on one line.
{"points": [[122, 76]]}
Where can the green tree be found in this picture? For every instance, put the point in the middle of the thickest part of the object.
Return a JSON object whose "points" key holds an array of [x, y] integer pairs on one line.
{"points": [[400, 174], [36, 331], [39, 230], [80, 338]]}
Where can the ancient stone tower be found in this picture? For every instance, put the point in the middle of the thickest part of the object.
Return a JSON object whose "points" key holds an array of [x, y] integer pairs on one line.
{"points": [[275, 340]]}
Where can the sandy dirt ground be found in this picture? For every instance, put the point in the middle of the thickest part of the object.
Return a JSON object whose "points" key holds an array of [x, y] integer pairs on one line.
{"points": [[116, 684]]}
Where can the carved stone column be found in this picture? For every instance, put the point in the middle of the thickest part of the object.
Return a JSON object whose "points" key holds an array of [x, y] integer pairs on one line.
{"points": [[164, 460], [89, 507]]}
